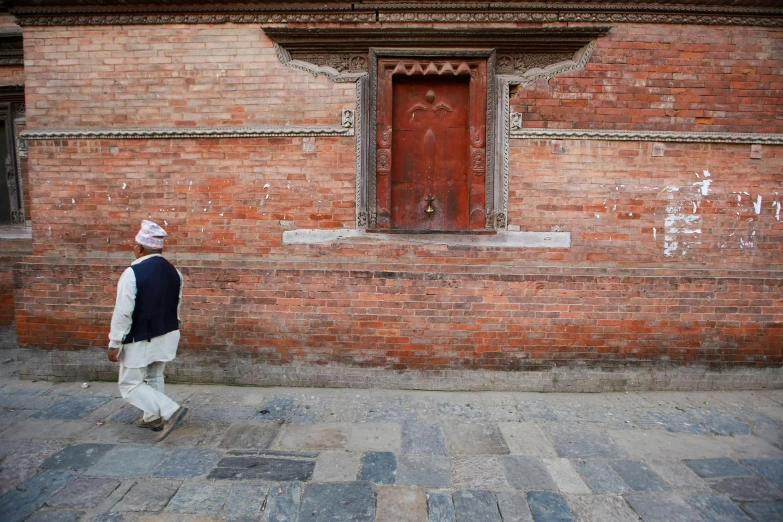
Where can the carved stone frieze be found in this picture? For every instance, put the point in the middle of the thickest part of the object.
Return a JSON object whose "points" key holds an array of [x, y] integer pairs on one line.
{"points": [[109, 12], [657, 136], [203, 132], [341, 62]]}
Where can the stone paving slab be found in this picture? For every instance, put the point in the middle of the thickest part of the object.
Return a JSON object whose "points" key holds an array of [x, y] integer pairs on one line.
{"points": [[148, 495], [379, 467], [72, 408], [565, 476], [527, 473], [81, 456], [476, 506], [638, 475], [249, 435], [22, 460], [246, 500], [18, 504], [717, 468], [440, 508], [663, 507], [424, 470], [205, 498], [526, 439], [400, 504], [770, 469], [583, 441], [764, 511], [678, 475], [747, 489], [513, 507], [313, 437], [601, 477], [375, 436], [338, 502], [485, 472], [127, 462], [187, 463], [83, 493], [283, 502], [263, 468], [337, 466], [548, 506], [640, 444], [45, 429], [423, 439], [467, 438], [601, 508], [717, 508], [55, 515]]}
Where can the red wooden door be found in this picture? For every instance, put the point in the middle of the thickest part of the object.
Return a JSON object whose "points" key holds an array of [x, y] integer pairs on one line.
{"points": [[430, 145], [430, 189]]}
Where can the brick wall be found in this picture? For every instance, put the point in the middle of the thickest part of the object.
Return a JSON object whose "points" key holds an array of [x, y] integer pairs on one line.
{"points": [[663, 266], [176, 75], [429, 320], [667, 77]]}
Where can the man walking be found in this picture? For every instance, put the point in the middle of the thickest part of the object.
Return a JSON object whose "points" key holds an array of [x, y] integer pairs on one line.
{"points": [[145, 330]]}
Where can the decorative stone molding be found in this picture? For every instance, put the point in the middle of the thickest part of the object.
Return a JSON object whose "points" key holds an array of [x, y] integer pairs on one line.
{"points": [[268, 131], [656, 136], [111, 12]]}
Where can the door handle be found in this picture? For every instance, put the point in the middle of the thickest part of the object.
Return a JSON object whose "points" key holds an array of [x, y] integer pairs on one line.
{"points": [[429, 199]]}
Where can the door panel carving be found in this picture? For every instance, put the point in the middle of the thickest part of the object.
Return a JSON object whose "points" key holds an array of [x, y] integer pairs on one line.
{"points": [[431, 159]]}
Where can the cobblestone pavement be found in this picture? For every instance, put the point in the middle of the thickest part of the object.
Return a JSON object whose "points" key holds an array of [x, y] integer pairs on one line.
{"points": [[295, 454]]}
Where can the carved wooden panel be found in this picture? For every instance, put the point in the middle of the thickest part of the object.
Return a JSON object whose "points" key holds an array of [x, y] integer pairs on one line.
{"points": [[431, 144]]}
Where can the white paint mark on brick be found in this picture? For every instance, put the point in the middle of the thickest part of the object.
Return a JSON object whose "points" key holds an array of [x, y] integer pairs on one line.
{"points": [[124, 185], [757, 205]]}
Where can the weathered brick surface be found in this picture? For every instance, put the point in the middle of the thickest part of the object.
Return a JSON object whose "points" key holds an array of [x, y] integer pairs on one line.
{"points": [[11, 74], [624, 207], [429, 320], [13, 250], [175, 75], [215, 195], [664, 77]]}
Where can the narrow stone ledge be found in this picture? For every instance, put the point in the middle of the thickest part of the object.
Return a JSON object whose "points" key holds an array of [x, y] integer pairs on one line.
{"points": [[304, 236], [16, 232]]}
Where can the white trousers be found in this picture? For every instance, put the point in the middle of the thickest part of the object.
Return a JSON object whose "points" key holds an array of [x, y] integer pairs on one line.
{"points": [[147, 396]]}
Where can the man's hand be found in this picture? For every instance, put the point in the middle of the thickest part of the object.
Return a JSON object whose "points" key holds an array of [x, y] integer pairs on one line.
{"points": [[114, 354]]}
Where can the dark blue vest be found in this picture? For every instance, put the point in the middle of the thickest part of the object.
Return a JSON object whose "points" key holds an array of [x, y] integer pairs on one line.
{"points": [[157, 297]]}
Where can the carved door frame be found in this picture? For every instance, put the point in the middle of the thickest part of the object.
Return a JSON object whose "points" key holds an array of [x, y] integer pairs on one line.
{"points": [[11, 117], [478, 58]]}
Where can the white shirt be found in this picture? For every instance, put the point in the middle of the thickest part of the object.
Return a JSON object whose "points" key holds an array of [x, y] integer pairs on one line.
{"points": [[142, 353]]}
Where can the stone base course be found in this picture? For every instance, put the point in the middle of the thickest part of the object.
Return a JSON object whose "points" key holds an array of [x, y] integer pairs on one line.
{"points": [[217, 367]]}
